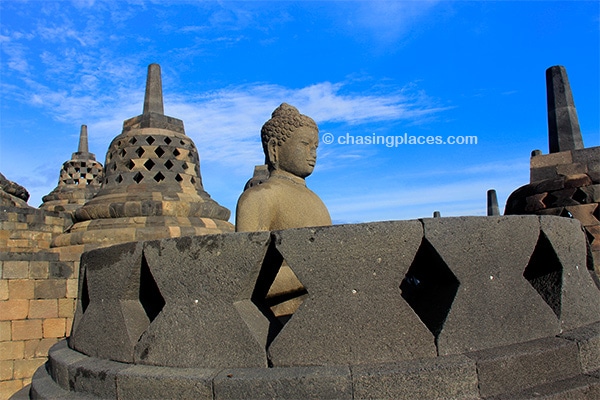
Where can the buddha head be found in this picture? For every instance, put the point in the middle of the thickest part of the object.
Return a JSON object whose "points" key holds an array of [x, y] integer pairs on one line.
{"points": [[290, 141]]}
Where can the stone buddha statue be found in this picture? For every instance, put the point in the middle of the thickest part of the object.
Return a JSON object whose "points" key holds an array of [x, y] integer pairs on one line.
{"points": [[283, 201]]}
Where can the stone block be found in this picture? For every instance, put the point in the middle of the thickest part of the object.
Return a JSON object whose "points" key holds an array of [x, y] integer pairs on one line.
{"points": [[579, 387], [12, 350], [15, 269], [542, 173], [5, 329], [148, 382], [577, 297], [43, 346], [27, 329], [66, 308], [45, 308], [113, 319], [577, 179], [14, 309], [3, 289], [588, 342], [44, 388], [54, 327], [447, 377], [60, 269], [521, 366], [584, 213], [72, 286], [488, 257], [8, 388], [354, 312], [26, 368], [50, 289], [591, 193], [552, 159], [201, 279], [570, 170], [588, 156], [95, 376], [6, 370], [60, 358], [30, 346], [38, 270], [284, 383], [20, 288]]}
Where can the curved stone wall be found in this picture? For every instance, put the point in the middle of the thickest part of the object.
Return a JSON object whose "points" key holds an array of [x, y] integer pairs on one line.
{"points": [[477, 301]]}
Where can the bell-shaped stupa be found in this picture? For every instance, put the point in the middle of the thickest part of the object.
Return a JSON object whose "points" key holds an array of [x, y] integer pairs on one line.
{"points": [[80, 179], [152, 187]]}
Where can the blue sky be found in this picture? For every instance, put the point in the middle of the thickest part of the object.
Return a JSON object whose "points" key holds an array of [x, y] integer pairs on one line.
{"points": [[439, 68]]}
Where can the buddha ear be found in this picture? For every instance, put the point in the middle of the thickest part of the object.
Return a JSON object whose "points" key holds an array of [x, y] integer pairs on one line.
{"points": [[273, 152]]}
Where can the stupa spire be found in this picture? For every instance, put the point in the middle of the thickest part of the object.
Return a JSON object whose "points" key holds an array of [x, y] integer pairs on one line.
{"points": [[83, 140], [153, 100], [563, 125]]}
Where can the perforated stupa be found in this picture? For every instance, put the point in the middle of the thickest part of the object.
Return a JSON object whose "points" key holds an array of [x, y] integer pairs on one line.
{"points": [[152, 187], [80, 179]]}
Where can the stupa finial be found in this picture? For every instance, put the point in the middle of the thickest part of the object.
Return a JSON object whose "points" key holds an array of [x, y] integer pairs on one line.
{"points": [[563, 125], [153, 100], [83, 140]]}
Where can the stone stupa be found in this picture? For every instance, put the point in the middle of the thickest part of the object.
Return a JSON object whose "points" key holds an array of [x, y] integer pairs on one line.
{"points": [[80, 179], [152, 187]]}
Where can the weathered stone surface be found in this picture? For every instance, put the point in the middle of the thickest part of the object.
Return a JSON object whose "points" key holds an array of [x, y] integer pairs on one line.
{"points": [[449, 377], [200, 279], [579, 387], [60, 358], [563, 125], [96, 377], [284, 383], [354, 312], [488, 258], [588, 342], [114, 319], [525, 365], [579, 298], [147, 382]]}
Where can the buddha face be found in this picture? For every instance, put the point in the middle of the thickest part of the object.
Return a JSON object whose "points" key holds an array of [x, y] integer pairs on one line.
{"points": [[298, 154]]}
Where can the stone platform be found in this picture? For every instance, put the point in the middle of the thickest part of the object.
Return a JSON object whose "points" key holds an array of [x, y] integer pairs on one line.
{"points": [[469, 307]]}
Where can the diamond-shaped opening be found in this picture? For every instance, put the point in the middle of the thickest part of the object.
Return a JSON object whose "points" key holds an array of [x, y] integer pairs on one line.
{"points": [[138, 177], [176, 153], [277, 294], [140, 151], [181, 142], [544, 273], [85, 295], [184, 166], [169, 164], [114, 167], [150, 140], [122, 153], [159, 177], [178, 178], [430, 287], [132, 140], [150, 297], [130, 164], [159, 152], [119, 179], [149, 165], [580, 196], [549, 200], [192, 180], [168, 140]]}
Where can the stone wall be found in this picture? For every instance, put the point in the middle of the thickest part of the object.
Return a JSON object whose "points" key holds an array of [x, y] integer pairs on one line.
{"points": [[38, 287]]}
